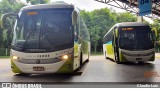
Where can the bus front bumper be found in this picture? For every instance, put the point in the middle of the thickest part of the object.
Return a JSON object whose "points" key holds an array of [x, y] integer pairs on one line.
{"points": [[137, 56], [59, 67], [126, 58]]}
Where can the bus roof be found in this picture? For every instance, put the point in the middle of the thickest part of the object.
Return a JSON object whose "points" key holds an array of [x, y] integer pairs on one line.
{"points": [[48, 6], [125, 24]]}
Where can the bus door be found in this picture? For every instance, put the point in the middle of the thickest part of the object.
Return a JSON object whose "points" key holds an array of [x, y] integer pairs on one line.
{"points": [[115, 43]]}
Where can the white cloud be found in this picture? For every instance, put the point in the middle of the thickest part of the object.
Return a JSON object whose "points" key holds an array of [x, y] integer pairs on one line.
{"points": [[89, 5]]}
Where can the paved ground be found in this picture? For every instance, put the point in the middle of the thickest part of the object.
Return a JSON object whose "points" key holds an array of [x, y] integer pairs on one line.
{"points": [[98, 69], [157, 55]]}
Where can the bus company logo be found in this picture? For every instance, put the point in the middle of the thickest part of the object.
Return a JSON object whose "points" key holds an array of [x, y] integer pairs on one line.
{"points": [[6, 85], [41, 56], [38, 61], [37, 56]]}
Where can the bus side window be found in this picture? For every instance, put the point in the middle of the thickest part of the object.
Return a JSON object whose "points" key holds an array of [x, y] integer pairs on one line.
{"points": [[76, 30], [75, 33], [83, 30]]}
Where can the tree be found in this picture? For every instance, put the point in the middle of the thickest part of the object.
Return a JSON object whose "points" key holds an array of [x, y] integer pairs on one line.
{"points": [[125, 17], [6, 7], [0, 37], [33, 2], [156, 29], [98, 23], [156, 26]]}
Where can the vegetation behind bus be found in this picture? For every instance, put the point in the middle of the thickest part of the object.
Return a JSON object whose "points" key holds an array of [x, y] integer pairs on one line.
{"points": [[98, 23]]}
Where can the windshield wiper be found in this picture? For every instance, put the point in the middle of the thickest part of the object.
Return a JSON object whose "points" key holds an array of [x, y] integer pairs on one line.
{"points": [[24, 45], [45, 36]]}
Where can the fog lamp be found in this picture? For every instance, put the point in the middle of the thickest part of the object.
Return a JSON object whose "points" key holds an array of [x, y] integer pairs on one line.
{"points": [[14, 57], [65, 57]]}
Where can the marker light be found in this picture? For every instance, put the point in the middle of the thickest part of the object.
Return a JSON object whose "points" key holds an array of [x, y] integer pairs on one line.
{"points": [[31, 13], [14, 57], [65, 57]]}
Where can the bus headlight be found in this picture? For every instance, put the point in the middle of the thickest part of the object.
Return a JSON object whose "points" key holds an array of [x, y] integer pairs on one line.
{"points": [[14, 58], [65, 57]]}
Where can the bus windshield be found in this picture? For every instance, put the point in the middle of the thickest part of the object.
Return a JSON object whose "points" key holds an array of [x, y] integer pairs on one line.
{"points": [[136, 38], [43, 30]]}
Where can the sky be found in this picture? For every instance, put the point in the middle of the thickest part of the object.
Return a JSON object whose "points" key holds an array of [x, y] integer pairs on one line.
{"points": [[90, 5]]}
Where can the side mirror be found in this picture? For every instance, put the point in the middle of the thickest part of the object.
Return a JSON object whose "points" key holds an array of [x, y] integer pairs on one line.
{"points": [[4, 17], [4, 26], [74, 17]]}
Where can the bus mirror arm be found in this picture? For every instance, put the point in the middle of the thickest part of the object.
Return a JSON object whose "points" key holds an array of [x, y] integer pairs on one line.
{"points": [[4, 17]]}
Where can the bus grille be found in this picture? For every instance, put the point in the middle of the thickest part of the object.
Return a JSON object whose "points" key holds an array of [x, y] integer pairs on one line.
{"points": [[129, 54], [39, 61]]}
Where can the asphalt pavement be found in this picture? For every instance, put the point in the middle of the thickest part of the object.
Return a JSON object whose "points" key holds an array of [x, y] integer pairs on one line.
{"points": [[98, 69]]}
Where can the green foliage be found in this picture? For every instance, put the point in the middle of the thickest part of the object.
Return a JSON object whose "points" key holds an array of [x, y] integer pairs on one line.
{"points": [[33, 2], [156, 29], [6, 6], [125, 17], [4, 52], [98, 23], [59, 2], [1, 37]]}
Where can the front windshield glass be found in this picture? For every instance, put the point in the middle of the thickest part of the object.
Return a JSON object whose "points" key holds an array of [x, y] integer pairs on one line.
{"points": [[136, 38], [40, 31]]}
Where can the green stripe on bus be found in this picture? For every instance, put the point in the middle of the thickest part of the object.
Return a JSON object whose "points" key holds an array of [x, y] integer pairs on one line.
{"points": [[67, 67], [15, 69], [122, 58]]}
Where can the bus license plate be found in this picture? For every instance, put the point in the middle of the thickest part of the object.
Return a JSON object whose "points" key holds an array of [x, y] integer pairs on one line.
{"points": [[38, 68], [138, 58]]}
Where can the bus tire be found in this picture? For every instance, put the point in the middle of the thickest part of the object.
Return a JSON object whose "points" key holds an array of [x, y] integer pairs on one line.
{"points": [[22, 74], [141, 62], [88, 58], [105, 55], [81, 60]]}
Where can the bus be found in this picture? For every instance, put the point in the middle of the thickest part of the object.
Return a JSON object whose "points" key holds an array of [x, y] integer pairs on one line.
{"points": [[48, 38], [129, 42]]}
